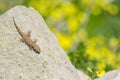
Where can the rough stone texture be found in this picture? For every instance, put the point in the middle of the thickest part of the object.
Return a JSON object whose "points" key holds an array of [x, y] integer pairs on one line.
{"points": [[83, 76], [111, 75], [18, 62]]}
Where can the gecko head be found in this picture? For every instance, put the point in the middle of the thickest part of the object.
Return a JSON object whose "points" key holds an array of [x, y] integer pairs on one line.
{"points": [[37, 49]]}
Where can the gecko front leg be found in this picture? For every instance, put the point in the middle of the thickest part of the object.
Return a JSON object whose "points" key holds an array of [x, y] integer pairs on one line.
{"points": [[28, 34]]}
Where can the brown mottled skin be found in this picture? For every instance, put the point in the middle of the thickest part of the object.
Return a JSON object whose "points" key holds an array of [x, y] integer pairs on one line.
{"points": [[26, 39]]}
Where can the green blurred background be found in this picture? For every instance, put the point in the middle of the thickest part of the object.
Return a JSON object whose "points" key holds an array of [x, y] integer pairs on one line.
{"points": [[88, 30]]}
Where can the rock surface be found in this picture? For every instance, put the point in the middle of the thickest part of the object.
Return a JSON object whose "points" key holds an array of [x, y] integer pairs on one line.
{"points": [[83, 76], [111, 75], [18, 62]]}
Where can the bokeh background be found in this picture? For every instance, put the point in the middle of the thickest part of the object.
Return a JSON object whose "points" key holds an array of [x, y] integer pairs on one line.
{"points": [[88, 30]]}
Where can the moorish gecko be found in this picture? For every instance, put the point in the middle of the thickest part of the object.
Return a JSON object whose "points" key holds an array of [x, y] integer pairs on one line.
{"points": [[26, 39]]}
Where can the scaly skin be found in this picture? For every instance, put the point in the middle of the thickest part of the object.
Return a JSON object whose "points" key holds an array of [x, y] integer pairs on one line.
{"points": [[26, 39]]}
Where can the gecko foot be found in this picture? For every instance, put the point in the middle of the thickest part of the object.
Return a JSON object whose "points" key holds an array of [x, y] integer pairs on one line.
{"points": [[35, 41], [30, 47], [28, 34], [22, 40]]}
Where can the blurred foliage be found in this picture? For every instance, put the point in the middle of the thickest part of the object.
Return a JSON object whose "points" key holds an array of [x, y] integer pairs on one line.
{"points": [[94, 67], [82, 61], [89, 30]]}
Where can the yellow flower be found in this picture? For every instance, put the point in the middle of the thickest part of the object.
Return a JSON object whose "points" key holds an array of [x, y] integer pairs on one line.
{"points": [[101, 66], [85, 2], [69, 9], [117, 60], [82, 17], [114, 42], [100, 73], [82, 35], [57, 14], [96, 10], [113, 9], [64, 40], [73, 24], [39, 5]]}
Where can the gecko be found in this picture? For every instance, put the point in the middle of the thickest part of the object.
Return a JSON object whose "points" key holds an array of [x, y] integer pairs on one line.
{"points": [[27, 40]]}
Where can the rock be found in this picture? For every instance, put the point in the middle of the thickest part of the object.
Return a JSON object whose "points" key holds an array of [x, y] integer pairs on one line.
{"points": [[83, 75], [18, 62], [111, 75]]}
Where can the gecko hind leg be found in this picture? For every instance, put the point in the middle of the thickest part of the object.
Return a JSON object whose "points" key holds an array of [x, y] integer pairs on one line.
{"points": [[30, 47], [22, 40], [35, 41]]}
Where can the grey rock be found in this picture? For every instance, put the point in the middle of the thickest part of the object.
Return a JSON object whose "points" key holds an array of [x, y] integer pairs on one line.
{"points": [[111, 75], [83, 76], [18, 62]]}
